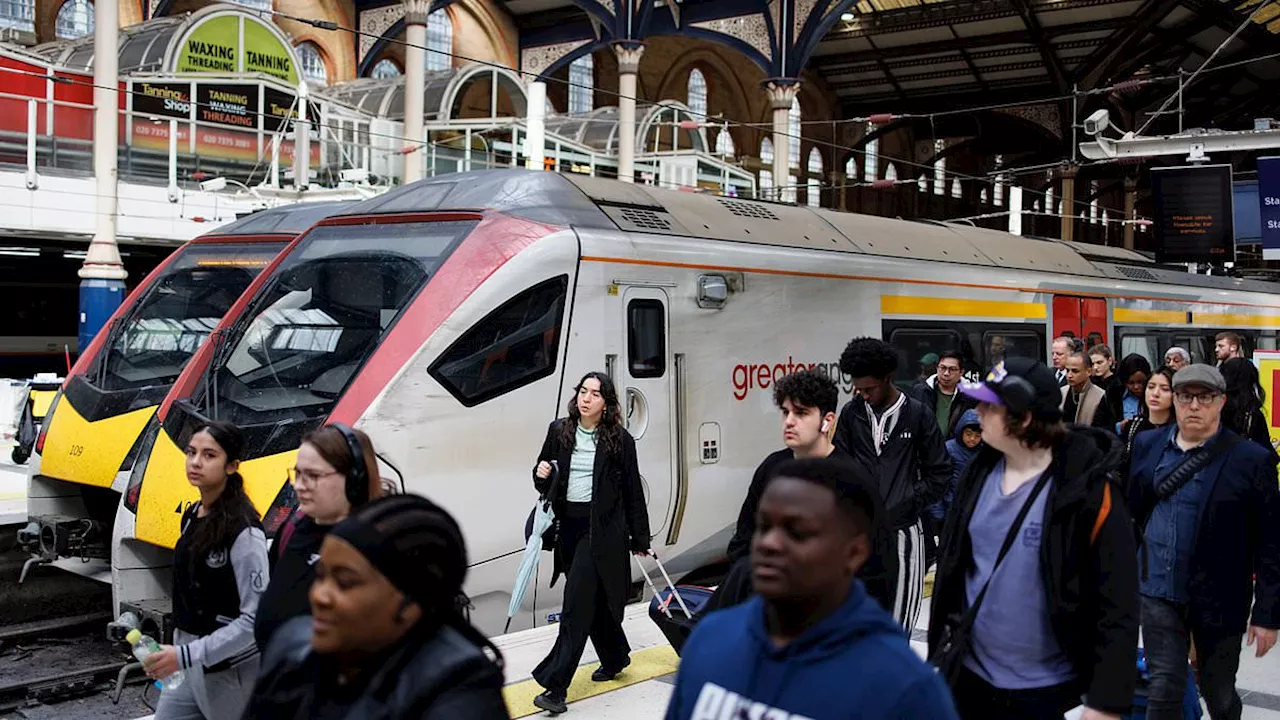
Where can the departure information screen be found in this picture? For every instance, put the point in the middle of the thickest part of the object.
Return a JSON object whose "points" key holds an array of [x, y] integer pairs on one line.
{"points": [[1194, 219]]}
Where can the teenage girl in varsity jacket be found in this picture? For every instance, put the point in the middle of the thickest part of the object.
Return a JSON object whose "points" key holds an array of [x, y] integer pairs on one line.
{"points": [[219, 572]]}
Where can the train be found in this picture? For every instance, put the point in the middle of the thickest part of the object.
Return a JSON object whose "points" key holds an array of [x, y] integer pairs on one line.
{"points": [[89, 440], [451, 319]]}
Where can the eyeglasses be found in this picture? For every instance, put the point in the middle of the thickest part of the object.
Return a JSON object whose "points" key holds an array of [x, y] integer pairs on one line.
{"points": [[947, 369], [1203, 399], [304, 477]]}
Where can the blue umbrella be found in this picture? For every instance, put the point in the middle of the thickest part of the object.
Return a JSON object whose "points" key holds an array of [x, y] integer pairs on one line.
{"points": [[539, 520]]}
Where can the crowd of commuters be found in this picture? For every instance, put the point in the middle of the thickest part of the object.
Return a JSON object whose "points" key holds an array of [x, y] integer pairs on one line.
{"points": [[1069, 509]]}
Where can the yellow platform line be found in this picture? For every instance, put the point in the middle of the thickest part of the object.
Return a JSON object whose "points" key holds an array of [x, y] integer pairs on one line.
{"points": [[645, 665]]}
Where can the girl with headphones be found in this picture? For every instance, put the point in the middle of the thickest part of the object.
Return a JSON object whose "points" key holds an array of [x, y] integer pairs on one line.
{"points": [[335, 473], [600, 511], [219, 572]]}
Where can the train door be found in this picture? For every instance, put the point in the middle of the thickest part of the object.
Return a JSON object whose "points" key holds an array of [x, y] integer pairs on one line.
{"points": [[1081, 317], [645, 392]]}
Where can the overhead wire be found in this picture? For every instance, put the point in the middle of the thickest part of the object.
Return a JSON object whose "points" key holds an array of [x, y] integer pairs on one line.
{"points": [[993, 178]]}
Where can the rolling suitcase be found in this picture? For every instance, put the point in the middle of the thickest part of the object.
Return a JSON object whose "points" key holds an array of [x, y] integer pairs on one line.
{"points": [[675, 620], [1190, 701]]}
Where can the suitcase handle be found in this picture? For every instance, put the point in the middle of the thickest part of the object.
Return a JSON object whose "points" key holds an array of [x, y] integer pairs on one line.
{"points": [[674, 592]]}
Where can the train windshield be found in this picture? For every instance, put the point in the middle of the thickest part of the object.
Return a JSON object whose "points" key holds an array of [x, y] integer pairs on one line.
{"points": [[311, 327], [150, 345]]}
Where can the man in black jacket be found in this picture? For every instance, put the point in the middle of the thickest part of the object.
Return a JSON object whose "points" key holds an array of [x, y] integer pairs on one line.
{"points": [[1059, 615], [897, 438], [1208, 503], [807, 400], [941, 392]]}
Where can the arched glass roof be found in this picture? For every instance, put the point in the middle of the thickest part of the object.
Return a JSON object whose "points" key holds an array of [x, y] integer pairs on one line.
{"points": [[657, 130], [472, 91], [149, 46]]}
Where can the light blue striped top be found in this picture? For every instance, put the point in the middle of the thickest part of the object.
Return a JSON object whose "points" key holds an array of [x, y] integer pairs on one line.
{"points": [[582, 466]]}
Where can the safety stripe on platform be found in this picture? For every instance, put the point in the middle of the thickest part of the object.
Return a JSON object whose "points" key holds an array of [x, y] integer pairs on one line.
{"points": [[645, 665]]}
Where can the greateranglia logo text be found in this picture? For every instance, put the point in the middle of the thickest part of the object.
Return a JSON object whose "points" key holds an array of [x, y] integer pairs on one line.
{"points": [[747, 378]]}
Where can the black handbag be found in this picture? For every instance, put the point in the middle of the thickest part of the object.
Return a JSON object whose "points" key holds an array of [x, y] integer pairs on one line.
{"points": [[957, 633]]}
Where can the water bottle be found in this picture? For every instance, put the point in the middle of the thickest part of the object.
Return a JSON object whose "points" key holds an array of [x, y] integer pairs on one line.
{"points": [[145, 646]]}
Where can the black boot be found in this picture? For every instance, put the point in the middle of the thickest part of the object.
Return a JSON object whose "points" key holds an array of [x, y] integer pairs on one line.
{"points": [[551, 701], [603, 675]]}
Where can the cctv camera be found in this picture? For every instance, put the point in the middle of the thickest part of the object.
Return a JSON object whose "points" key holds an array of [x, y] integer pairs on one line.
{"points": [[1097, 122], [214, 185]]}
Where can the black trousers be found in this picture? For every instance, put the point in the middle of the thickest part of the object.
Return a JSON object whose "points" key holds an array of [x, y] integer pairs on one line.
{"points": [[977, 699], [585, 613], [1165, 641]]}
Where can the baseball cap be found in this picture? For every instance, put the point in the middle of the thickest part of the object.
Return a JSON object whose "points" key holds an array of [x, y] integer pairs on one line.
{"points": [[929, 359], [1021, 385], [1200, 374]]}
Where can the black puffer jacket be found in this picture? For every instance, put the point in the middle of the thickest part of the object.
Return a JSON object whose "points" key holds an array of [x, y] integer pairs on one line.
{"points": [[440, 675], [1091, 583]]}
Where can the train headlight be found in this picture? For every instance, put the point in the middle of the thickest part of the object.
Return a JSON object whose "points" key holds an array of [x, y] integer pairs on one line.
{"points": [[133, 491]]}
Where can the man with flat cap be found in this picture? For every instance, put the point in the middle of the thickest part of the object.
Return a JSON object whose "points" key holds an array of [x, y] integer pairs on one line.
{"points": [[1210, 512]]}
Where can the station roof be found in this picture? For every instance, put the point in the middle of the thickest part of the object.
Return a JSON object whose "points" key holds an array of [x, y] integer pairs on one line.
{"points": [[443, 96], [926, 56]]}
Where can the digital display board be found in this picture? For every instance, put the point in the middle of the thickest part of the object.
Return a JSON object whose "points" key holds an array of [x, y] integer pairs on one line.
{"points": [[1194, 218]]}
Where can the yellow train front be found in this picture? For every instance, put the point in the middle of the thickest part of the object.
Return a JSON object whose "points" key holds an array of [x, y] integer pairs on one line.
{"points": [[88, 441]]}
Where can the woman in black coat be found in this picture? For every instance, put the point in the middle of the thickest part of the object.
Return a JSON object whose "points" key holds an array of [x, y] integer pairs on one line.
{"points": [[601, 516], [1242, 413]]}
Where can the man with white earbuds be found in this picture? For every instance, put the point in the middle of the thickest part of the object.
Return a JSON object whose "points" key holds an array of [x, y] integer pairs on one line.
{"points": [[807, 400]]}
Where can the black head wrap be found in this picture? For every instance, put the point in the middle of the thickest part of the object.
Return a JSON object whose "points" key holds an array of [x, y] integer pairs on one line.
{"points": [[415, 543]]}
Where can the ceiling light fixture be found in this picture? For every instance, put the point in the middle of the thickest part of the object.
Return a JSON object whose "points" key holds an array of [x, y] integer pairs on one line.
{"points": [[847, 17]]}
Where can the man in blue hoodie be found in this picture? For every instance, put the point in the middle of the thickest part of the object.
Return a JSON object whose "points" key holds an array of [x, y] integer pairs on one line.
{"points": [[810, 645]]}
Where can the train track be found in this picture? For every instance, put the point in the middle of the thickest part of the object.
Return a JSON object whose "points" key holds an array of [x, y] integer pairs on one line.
{"points": [[53, 646]]}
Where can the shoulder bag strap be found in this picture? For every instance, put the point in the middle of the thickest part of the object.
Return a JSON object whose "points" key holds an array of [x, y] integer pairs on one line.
{"points": [[1193, 463], [972, 612]]}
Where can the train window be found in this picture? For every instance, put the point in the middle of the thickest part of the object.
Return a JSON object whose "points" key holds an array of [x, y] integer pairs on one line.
{"points": [[646, 338], [999, 345], [510, 348], [918, 351], [1196, 345], [1148, 346]]}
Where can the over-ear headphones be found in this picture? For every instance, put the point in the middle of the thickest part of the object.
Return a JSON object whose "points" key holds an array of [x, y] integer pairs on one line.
{"points": [[358, 478]]}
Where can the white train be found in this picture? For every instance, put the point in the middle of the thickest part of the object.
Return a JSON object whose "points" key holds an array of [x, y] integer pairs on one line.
{"points": [[451, 318]]}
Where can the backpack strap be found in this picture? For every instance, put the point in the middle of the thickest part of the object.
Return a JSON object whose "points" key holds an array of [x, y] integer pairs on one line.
{"points": [[286, 532], [1104, 511]]}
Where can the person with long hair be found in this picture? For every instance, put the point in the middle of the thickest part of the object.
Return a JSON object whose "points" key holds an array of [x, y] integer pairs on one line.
{"points": [[1125, 398], [1242, 413], [385, 639], [336, 471], [1156, 412], [219, 572], [599, 505]]}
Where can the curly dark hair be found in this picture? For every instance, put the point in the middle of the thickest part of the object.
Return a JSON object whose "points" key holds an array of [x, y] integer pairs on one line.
{"points": [[808, 388], [868, 357], [609, 431]]}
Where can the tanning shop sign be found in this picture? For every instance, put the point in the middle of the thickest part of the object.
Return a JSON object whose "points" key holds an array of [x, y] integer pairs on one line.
{"points": [[233, 105], [232, 42], [1194, 219]]}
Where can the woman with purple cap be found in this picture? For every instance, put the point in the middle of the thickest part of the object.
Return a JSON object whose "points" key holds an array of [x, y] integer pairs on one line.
{"points": [[1035, 605]]}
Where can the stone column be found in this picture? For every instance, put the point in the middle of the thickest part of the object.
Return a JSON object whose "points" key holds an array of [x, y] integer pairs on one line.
{"points": [[1130, 210], [102, 275], [782, 92], [629, 54], [415, 70], [1068, 175]]}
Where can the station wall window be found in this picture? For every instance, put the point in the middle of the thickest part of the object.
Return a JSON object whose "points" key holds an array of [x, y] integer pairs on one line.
{"points": [[18, 14], [646, 338], [813, 186], [698, 94], [385, 69], [766, 169], [75, 20], [312, 64], [793, 129], [724, 143], [581, 85], [439, 41], [511, 347]]}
